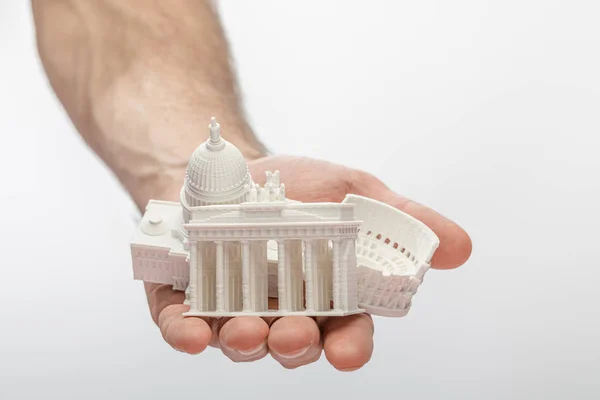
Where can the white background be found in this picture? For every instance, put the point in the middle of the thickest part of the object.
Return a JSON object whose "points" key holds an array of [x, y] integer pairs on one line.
{"points": [[487, 111]]}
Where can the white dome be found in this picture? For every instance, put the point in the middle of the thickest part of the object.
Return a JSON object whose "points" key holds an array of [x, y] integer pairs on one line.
{"points": [[217, 172]]}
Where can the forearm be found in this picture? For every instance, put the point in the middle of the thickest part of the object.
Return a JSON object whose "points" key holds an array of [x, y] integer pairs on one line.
{"points": [[140, 81]]}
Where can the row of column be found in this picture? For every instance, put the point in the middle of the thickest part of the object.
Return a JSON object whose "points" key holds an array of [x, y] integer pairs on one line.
{"points": [[290, 277]]}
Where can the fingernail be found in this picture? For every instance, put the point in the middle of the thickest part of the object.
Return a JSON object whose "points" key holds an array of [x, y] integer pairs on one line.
{"points": [[294, 354], [253, 351]]}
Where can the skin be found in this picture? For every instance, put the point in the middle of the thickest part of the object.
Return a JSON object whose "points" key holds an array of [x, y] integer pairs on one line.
{"points": [[140, 81]]}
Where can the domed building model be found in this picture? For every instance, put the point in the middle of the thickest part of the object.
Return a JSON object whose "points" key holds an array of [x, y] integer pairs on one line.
{"points": [[217, 173], [230, 244]]}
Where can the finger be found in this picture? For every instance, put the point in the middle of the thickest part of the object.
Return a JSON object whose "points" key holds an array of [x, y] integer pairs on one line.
{"points": [[161, 296], [455, 244], [348, 341], [190, 335], [295, 341], [244, 339]]}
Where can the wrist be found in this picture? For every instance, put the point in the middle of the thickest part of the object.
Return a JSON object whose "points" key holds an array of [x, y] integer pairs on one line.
{"points": [[159, 173], [151, 152]]}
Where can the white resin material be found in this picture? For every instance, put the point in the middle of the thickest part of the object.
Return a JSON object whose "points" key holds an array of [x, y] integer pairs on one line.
{"points": [[393, 251], [230, 244]]}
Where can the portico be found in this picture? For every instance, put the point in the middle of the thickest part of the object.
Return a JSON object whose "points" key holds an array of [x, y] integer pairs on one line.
{"points": [[316, 268]]}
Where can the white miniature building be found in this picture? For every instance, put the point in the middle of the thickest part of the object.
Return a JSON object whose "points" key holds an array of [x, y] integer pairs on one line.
{"points": [[231, 244]]}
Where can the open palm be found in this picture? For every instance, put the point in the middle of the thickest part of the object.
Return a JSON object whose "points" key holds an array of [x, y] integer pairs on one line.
{"points": [[295, 341]]}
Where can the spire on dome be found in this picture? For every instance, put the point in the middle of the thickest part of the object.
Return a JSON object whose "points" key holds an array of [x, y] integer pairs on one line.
{"points": [[215, 142]]}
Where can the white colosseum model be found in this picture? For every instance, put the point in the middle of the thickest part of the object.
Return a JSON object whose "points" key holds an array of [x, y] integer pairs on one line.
{"points": [[230, 244]]}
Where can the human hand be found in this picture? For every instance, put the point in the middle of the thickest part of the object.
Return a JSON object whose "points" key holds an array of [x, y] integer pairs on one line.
{"points": [[295, 341], [137, 96]]}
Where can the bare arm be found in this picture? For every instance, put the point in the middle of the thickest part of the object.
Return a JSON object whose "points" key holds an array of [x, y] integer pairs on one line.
{"points": [[140, 80]]}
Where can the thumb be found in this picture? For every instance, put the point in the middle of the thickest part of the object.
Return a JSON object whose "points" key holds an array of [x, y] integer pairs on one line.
{"points": [[455, 244]]}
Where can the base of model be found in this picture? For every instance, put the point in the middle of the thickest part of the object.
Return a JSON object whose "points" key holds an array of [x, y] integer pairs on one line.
{"points": [[386, 312], [273, 313]]}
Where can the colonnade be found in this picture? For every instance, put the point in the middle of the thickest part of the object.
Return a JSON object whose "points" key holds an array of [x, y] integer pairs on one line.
{"points": [[232, 275]]}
